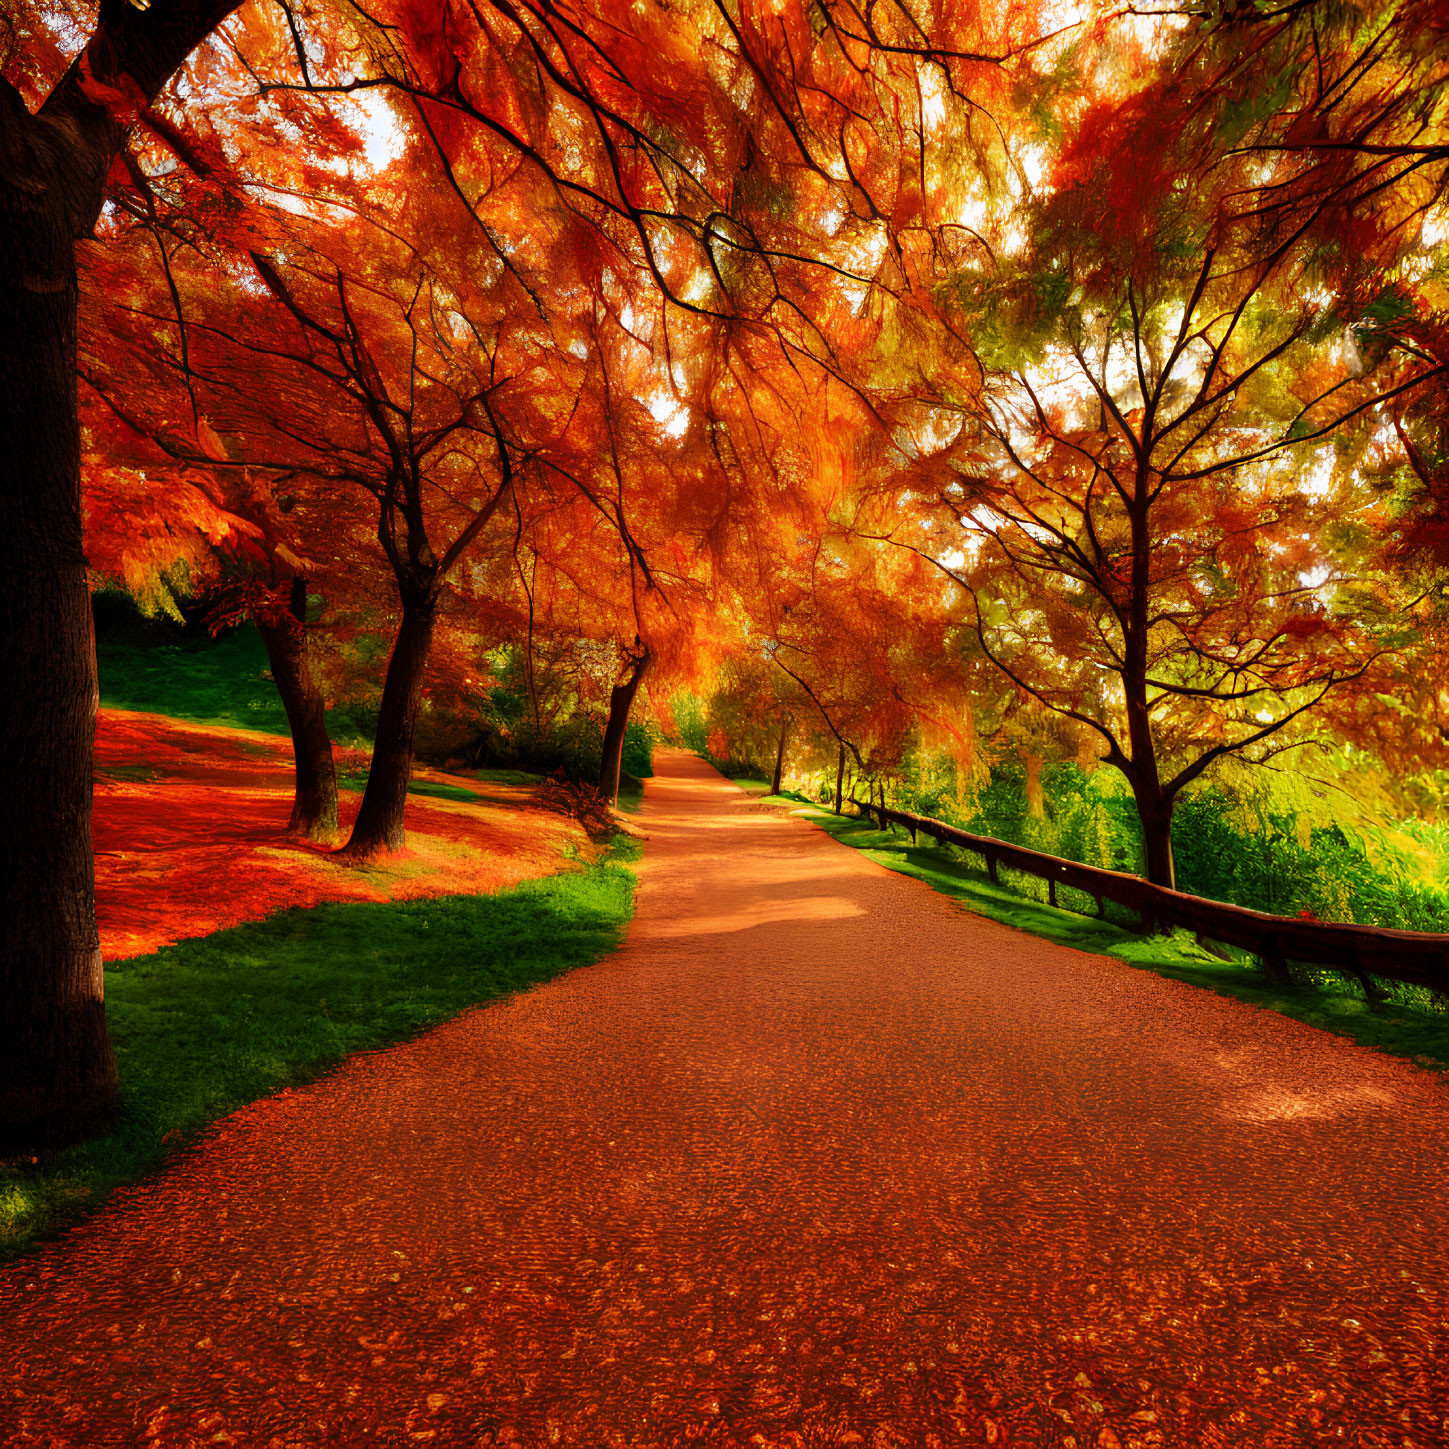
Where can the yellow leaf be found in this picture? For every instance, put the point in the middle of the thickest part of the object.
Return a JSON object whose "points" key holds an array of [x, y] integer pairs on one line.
{"points": [[294, 561], [209, 443]]}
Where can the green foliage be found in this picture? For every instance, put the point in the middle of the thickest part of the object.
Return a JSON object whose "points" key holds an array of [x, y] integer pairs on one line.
{"points": [[638, 754], [687, 710], [1089, 817], [1410, 1024], [1271, 846], [1037, 99], [177, 668], [1052, 289], [1390, 305], [570, 737], [203, 1027], [1277, 865], [1239, 113]]}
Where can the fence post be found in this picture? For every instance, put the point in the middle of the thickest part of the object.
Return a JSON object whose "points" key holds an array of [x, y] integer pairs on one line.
{"points": [[991, 868], [1052, 890], [1274, 965], [1373, 993]]}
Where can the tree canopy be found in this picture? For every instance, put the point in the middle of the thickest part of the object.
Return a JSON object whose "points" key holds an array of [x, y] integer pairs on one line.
{"points": [[906, 371]]}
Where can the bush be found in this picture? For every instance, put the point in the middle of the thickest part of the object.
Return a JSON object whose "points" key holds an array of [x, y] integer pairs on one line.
{"points": [[502, 735], [1248, 846]]}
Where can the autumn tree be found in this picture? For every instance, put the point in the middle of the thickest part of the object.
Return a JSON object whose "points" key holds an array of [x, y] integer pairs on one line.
{"points": [[729, 162], [64, 121], [162, 498], [376, 378], [622, 528], [275, 602], [1145, 514], [1353, 106], [841, 640]]}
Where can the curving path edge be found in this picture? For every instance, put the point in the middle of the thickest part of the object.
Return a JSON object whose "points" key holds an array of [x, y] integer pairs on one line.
{"points": [[817, 1158]]}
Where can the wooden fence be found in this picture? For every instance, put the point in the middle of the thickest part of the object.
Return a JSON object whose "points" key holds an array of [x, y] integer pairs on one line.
{"points": [[1413, 956]]}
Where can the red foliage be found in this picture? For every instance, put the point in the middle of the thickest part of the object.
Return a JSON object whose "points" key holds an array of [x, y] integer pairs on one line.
{"points": [[190, 835]]}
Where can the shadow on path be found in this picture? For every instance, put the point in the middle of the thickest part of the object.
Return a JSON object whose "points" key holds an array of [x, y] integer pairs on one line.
{"points": [[817, 1158]]}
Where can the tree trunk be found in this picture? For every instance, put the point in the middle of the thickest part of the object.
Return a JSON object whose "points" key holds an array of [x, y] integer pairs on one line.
{"points": [[314, 806], [621, 701], [1153, 808], [840, 780], [1035, 805], [379, 825], [1156, 816], [780, 757], [57, 1070]]}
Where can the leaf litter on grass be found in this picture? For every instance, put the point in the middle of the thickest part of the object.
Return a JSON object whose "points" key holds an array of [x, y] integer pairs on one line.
{"points": [[190, 835], [241, 963]]}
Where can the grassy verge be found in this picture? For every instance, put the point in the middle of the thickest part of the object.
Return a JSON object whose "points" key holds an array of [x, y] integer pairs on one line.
{"points": [[631, 793], [206, 1026], [207, 681], [1406, 1026]]}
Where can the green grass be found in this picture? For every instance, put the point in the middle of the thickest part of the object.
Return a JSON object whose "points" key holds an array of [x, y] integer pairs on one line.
{"points": [[206, 1026], [438, 789], [208, 681], [508, 777], [1406, 1025], [631, 793], [221, 682], [762, 787]]}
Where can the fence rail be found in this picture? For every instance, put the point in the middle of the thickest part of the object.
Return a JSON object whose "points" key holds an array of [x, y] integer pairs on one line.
{"points": [[1417, 957]]}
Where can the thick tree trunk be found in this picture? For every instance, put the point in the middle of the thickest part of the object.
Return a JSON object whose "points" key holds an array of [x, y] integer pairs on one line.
{"points": [[621, 701], [840, 780], [379, 825], [1156, 816], [780, 757], [57, 1070], [314, 806]]}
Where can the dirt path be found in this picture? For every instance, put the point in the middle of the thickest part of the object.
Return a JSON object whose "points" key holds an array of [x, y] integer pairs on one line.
{"points": [[817, 1159]]}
